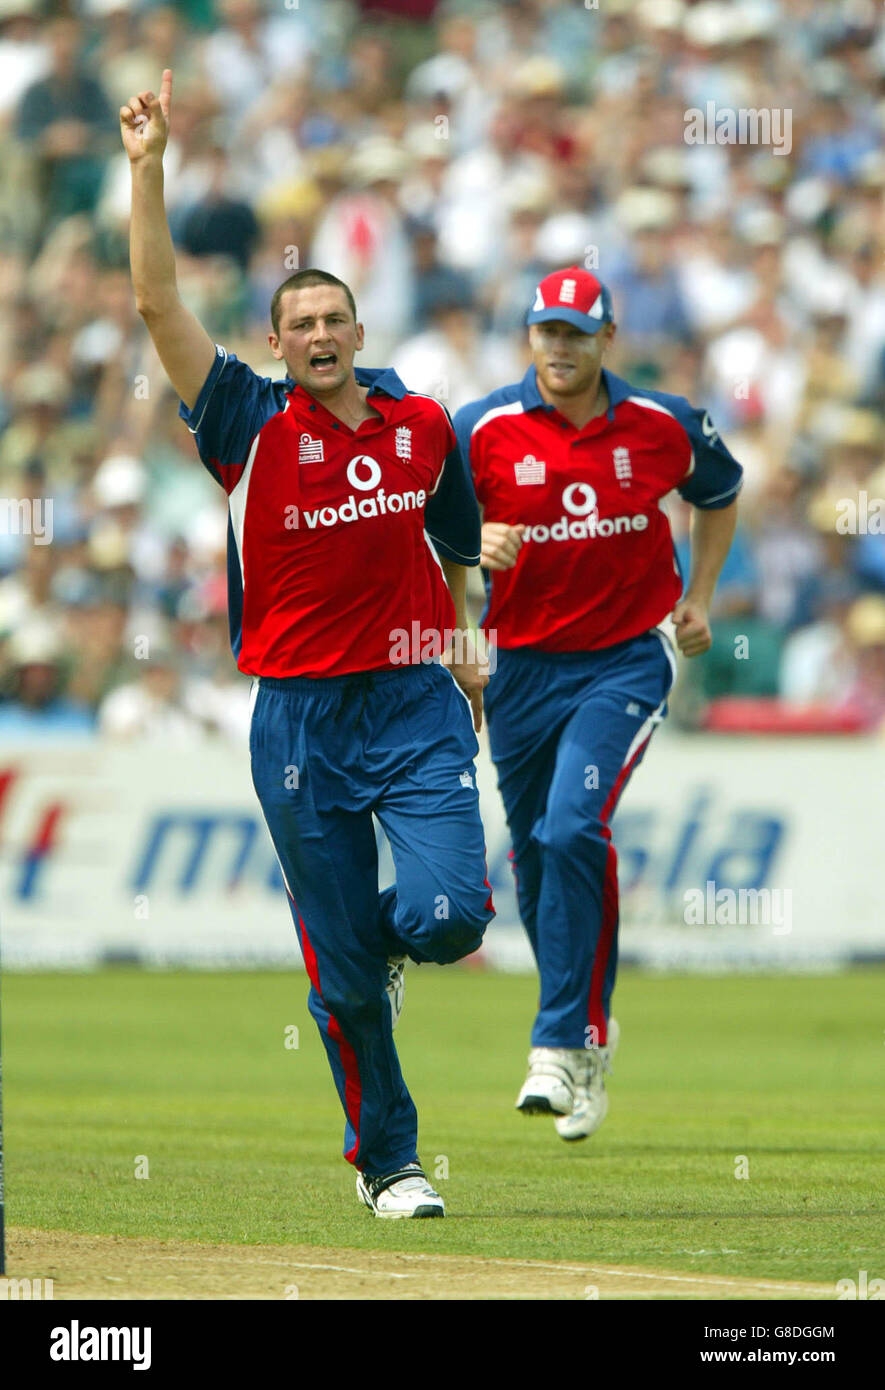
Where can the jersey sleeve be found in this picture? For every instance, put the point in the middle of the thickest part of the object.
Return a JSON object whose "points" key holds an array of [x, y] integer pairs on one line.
{"points": [[715, 476], [232, 406], [451, 515], [464, 423]]}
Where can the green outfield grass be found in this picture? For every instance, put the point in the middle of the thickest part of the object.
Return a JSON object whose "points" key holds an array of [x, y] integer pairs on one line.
{"points": [[243, 1136]]}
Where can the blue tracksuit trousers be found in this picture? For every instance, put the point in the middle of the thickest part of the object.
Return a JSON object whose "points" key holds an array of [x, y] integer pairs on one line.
{"points": [[566, 731], [326, 754]]}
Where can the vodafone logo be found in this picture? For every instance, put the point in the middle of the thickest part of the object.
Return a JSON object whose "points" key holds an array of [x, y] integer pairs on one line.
{"points": [[579, 499], [363, 472], [583, 522]]}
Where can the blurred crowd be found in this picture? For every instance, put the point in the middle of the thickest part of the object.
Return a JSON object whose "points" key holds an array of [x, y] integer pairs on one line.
{"points": [[441, 158]]}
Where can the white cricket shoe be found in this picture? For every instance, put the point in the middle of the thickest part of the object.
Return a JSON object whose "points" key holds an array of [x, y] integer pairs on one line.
{"points": [[549, 1088], [396, 986], [404, 1193], [591, 1098]]}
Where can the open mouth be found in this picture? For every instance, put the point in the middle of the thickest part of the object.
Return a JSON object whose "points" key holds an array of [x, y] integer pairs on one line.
{"points": [[324, 361]]}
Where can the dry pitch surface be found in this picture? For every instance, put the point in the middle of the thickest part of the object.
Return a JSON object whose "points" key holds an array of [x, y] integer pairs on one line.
{"points": [[115, 1267]]}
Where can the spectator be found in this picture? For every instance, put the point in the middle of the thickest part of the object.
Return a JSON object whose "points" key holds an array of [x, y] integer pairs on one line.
{"points": [[865, 626], [66, 120], [251, 49], [36, 703], [24, 55], [435, 283], [652, 309], [452, 359], [150, 707], [219, 224], [362, 239]]}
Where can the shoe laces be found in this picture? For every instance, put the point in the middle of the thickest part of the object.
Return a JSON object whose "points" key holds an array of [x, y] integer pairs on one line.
{"points": [[593, 1065]]}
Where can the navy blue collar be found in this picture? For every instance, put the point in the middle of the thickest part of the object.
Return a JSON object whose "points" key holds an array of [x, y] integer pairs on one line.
{"points": [[380, 379], [618, 390], [376, 378]]}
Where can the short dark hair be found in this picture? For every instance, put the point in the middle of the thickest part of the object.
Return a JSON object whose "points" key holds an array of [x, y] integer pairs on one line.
{"points": [[301, 280]]}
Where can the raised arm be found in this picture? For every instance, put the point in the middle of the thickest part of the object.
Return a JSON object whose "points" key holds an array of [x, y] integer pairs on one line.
{"points": [[183, 345]]}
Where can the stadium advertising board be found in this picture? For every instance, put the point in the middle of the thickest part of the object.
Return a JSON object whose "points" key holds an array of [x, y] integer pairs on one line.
{"points": [[731, 854]]}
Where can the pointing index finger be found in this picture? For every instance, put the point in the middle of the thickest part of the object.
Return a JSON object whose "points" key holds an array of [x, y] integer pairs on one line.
{"points": [[166, 92]]}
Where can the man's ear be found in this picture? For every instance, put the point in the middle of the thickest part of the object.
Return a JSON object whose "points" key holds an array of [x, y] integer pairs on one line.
{"points": [[275, 346], [360, 337]]}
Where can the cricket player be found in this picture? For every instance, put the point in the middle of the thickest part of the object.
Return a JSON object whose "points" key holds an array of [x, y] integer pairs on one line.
{"points": [[339, 602], [571, 466]]}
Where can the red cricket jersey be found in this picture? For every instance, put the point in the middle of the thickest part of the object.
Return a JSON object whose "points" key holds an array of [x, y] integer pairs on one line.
{"points": [[328, 557], [597, 565]]}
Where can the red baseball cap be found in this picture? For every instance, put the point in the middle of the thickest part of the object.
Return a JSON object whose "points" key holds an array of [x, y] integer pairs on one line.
{"points": [[575, 296]]}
